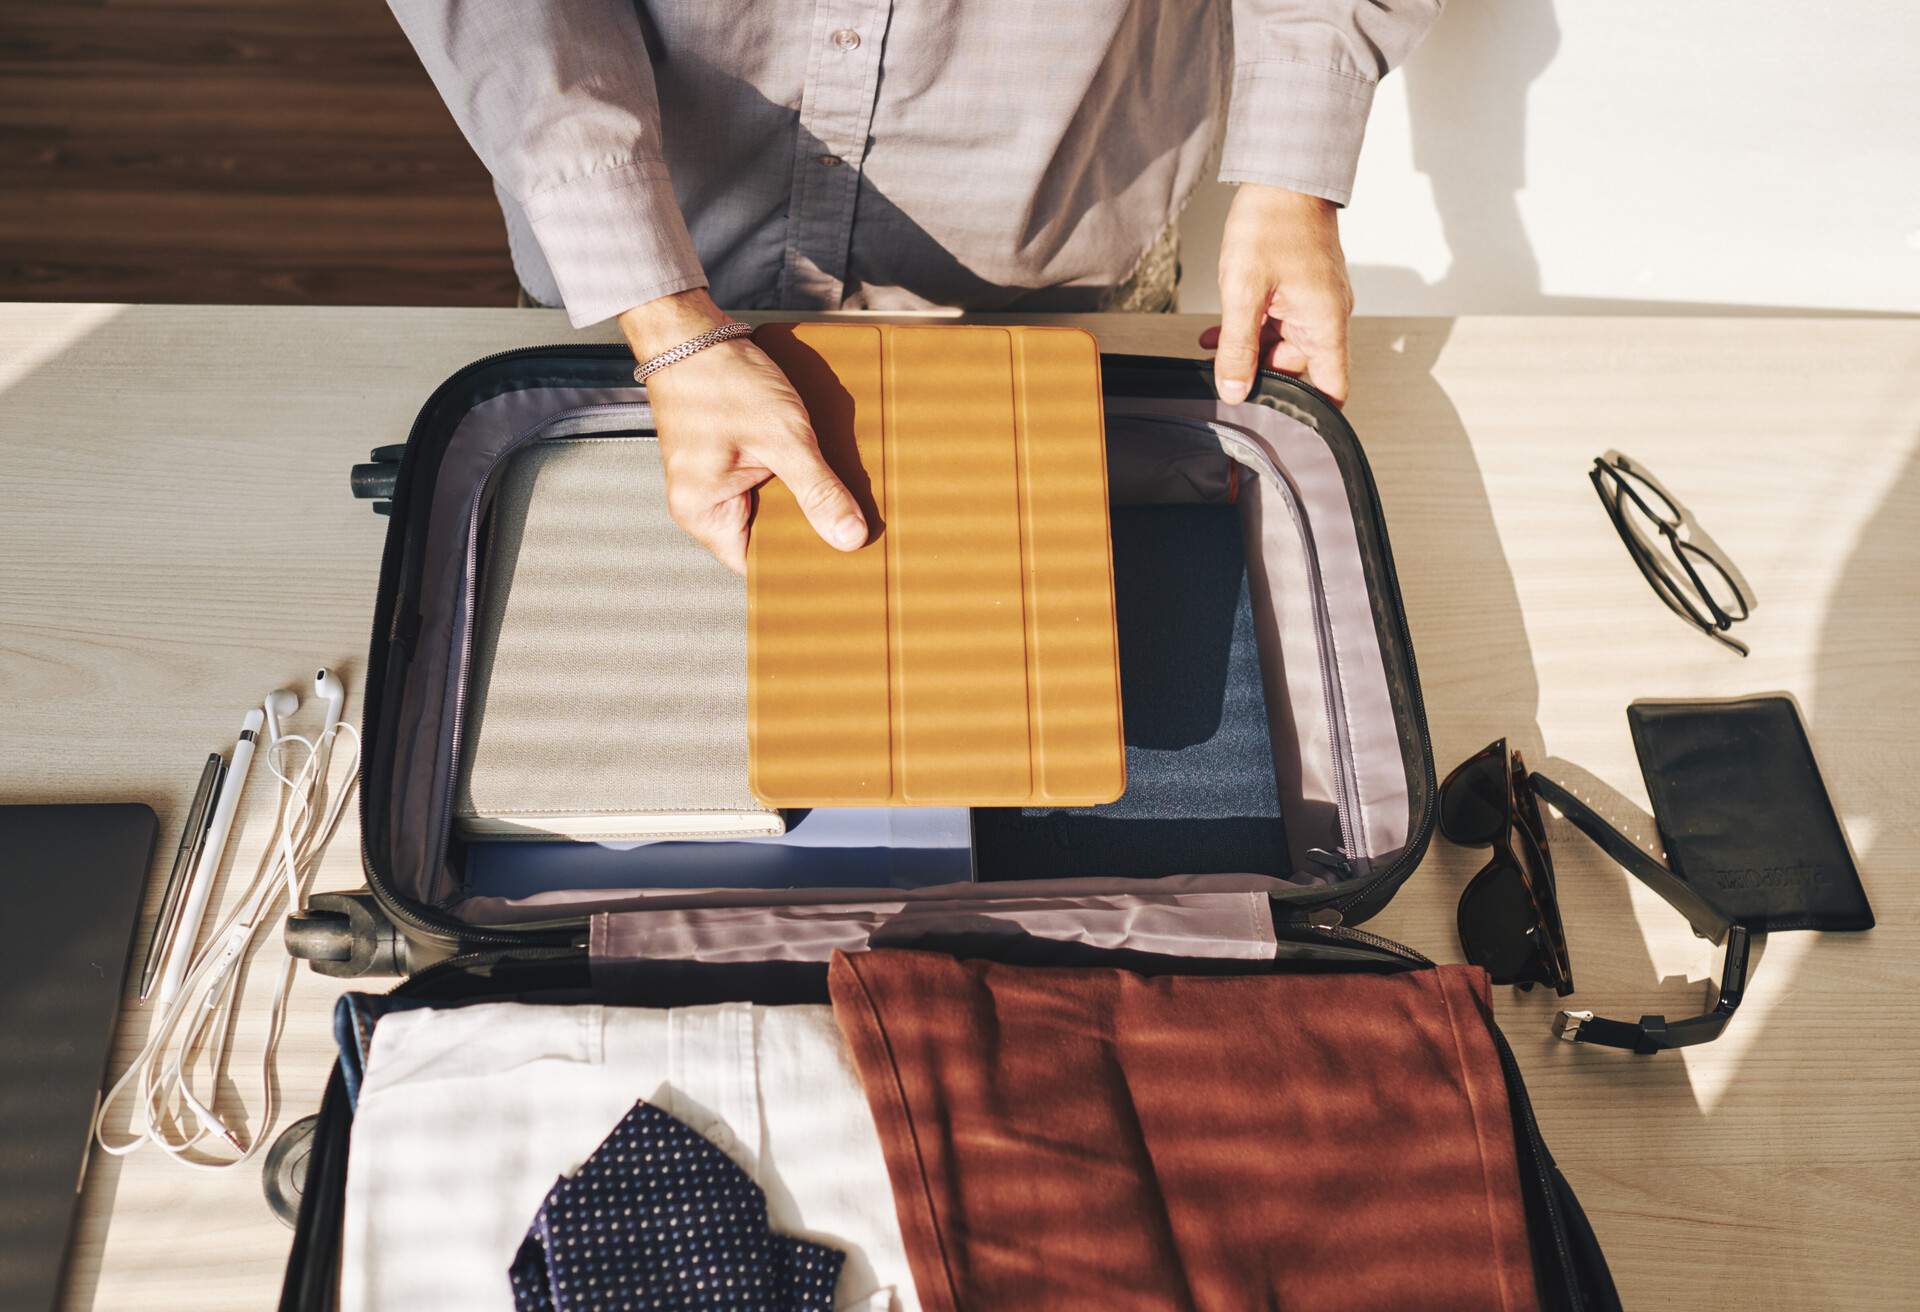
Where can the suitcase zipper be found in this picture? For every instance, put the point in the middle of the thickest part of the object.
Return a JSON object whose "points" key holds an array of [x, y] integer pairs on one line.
{"points": [[1522, 1106], [628, 414], [1327, 922], [466, 961], [1387, 881], [440, 928], [434, 926], [1379, 885], [1333, 696]]}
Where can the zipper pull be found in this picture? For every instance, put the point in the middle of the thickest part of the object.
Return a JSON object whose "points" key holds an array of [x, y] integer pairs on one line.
{"points": [[1336, 861], [1324, 918]]}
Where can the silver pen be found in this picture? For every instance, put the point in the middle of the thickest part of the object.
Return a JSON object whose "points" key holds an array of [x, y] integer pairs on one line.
{"points": [[191, 837]]}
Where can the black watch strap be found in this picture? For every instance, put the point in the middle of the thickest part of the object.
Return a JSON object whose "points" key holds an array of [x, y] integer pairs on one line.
{"points": [[1707, 920], [1657, 1033], [1585, 1027]]}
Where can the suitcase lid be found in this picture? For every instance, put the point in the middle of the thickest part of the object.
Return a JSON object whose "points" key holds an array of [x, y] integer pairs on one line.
{"points": [[1377, 781]]}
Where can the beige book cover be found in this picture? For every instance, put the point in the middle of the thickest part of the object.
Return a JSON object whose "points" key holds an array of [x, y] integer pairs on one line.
{"points": [[608, 689]]}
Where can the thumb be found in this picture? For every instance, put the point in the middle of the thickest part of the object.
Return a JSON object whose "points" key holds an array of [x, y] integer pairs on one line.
{"points": [[823, 498], [1243, 309]]}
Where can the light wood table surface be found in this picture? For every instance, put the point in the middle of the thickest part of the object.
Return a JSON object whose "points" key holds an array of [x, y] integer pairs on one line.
{"points": [[176, 537]]}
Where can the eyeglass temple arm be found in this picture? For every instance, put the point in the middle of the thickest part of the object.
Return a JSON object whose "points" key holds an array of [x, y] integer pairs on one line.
{"points": [[1657, 1033], [1708, 921]]}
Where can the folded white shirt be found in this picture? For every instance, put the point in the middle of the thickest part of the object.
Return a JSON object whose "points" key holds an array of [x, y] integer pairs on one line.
{"points": [[468, 1115]]}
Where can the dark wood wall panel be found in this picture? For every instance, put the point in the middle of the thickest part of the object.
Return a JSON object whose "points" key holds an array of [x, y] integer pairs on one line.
{"points": [[273, 151]]}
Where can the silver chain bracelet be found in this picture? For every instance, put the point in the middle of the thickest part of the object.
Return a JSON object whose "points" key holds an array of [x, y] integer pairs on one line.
{"points": [[726, 332]]}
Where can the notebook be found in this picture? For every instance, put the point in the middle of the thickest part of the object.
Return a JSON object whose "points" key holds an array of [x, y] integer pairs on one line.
{"points": [[965, 656], [71, 879], [607, 697], [1202, 794]]}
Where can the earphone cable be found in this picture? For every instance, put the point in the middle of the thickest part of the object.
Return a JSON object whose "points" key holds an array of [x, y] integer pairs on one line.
{"points": [[194, 1030]]}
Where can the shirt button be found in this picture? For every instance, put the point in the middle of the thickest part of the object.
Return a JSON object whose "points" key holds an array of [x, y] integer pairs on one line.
{"points": [[827, 161], [846, 39]]}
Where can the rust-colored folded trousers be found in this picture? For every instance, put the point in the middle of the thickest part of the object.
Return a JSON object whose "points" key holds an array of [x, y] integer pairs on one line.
{"points": [[1065, 1138]]}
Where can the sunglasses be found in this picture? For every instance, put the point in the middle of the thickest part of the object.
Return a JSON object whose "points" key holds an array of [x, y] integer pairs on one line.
{"points": [[1509, 917], [1692, 576]]}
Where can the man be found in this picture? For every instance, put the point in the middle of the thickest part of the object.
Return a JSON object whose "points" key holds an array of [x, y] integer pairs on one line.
{"points": [[658, 159]]}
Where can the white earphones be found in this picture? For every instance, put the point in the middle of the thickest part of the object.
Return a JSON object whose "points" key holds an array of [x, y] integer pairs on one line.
{"points": [[283, 702], [196, 1019], [280, 703], [327, 684]]}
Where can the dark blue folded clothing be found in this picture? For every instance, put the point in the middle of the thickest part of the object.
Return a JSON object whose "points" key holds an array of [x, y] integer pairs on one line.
{"points": [[1201, 792], [825, 847]]}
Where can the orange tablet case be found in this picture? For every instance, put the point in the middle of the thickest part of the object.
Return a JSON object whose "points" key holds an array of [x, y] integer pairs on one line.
{"points": [[966, 656]]}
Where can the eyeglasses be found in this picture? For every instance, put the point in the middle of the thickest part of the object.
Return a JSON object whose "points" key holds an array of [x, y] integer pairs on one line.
{"points": [[1509, 917], [1691, 575]]}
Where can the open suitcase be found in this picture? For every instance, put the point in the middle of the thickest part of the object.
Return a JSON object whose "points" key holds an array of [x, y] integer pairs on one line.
{"points": [[1352, 757]]}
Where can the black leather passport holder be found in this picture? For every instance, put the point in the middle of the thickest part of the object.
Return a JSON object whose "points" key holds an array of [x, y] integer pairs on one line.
{"points": [[1744, 815]]}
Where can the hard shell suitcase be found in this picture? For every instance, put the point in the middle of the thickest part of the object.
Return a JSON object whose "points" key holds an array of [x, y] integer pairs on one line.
{"points": [[1345, 717]]}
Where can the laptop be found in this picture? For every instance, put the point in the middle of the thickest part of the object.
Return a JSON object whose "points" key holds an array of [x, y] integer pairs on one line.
{"points": [[71, 881]]}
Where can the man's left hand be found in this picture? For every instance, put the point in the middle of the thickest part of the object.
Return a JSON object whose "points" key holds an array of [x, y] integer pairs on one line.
{"points": [[1284, 296]]}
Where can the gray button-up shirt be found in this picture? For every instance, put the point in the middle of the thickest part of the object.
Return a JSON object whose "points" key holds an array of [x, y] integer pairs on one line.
{"points": [[869, 154]]}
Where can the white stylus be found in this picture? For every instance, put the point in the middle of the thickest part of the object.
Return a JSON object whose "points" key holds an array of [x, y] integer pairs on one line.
{"points": [[186, 931]]}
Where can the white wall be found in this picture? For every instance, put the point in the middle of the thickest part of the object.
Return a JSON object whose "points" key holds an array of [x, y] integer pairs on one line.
{"points": [[1641, 156]]}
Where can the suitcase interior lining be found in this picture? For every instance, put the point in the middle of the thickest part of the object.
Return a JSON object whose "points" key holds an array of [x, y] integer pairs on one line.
{"points": [[1338, 757]]}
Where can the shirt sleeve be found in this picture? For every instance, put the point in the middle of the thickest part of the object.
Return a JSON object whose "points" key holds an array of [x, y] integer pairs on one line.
{"points": [[1303, 78], [557, 98]]}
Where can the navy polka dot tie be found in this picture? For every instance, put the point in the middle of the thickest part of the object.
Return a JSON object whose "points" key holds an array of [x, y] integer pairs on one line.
{"points": [[659, 1218]]}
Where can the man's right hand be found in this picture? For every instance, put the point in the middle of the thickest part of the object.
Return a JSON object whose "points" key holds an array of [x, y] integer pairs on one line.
{"points": [[729, 420]]}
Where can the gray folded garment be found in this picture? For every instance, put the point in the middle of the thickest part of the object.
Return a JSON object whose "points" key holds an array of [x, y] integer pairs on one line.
{"points": [[1222, 926], [608, 692]]}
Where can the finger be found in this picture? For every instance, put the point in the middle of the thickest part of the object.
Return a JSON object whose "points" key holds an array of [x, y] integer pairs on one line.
{"points": [[726, 535], [1243, 309], [1269, 334], [1327, 363], [711, 517], [1287, 357], [1319, 330], [796, 461]]}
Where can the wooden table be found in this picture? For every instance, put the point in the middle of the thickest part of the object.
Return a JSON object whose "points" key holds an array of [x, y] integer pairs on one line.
{"points": [[177, 538]]}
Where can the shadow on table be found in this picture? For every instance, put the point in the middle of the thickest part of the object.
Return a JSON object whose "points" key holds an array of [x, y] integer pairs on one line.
{"points": [[1480, 683], [1469, 138], [1862, 711], [69, 665], [1462, 603]]}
